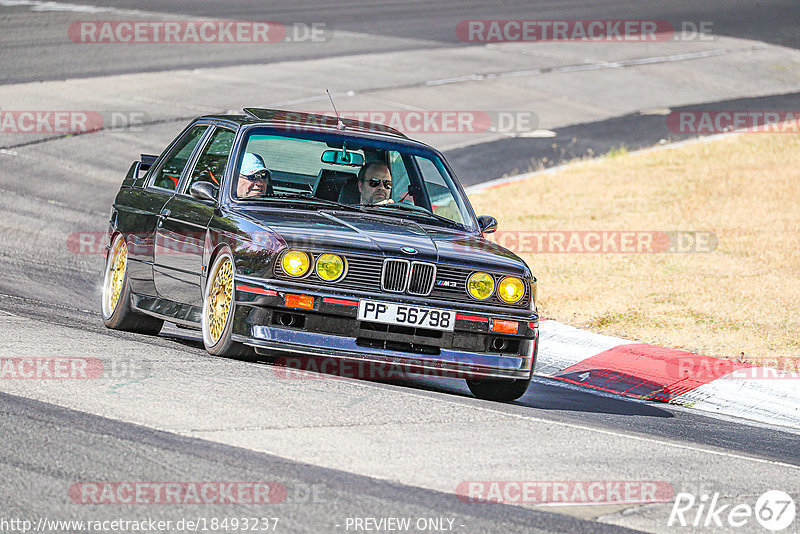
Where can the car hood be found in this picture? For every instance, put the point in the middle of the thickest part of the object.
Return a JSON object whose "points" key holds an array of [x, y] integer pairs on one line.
{"points": [[386, 236]]}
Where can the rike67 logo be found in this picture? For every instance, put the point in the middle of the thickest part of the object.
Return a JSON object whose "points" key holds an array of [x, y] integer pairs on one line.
{"points": [[774, 510]]}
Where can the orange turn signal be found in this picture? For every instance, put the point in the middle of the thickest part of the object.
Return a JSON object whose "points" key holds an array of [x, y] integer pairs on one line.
{"points": [[299, 301], [505, 327]]}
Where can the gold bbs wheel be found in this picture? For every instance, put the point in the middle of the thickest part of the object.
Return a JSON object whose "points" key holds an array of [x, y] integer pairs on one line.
{"points": [[219, 310], [115, 302], [220, 295], [115, 276]]}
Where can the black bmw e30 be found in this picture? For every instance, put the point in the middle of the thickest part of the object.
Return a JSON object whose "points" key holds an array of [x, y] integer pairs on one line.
{"points": [[254, 229]]}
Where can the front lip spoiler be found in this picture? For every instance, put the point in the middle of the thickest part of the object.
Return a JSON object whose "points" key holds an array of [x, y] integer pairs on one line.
{"points": [[448, 363]]}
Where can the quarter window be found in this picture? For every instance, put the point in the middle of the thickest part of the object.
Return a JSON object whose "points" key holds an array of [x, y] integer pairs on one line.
{"points": [[169, 173]]}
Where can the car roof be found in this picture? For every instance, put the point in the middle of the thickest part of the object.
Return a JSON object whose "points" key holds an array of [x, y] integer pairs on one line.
{"points": [[280, 118]]}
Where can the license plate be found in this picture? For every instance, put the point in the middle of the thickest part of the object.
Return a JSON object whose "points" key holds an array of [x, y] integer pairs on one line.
{"points": [[403, 314]]}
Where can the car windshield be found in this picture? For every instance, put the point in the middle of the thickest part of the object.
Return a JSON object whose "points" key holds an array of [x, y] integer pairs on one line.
{"points": [[408, 181]]}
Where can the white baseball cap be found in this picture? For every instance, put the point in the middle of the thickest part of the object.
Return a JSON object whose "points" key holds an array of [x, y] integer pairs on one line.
{"points": [[251, 164]]}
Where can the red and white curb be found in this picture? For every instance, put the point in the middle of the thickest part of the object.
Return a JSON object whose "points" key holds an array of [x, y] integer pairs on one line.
{"points": [[639, 370], [649, 372]]}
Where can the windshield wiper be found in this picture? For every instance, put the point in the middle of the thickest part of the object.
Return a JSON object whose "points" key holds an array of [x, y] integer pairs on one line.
{"points": [[414, 209], [309, 196]]}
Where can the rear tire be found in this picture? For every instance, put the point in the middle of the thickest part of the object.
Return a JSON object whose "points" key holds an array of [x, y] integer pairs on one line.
{"points": [[116, 297], [219, 306]]}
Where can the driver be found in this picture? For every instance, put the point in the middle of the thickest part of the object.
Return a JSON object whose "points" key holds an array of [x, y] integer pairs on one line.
{"points": [[253, 177], [375, 183]]}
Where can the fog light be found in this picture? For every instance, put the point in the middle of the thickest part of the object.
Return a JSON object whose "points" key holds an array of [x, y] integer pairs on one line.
{"points": [[295, 263], [305, 302], [480, 286], [330, 267], [511, 289]]}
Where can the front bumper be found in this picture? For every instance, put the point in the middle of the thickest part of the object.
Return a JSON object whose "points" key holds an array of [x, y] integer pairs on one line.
{"points": [[332, 330]]}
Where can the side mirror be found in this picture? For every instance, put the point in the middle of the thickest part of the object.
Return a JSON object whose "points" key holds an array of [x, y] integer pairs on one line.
{"points": [[487, 224], [147, 161], [204, 191]]}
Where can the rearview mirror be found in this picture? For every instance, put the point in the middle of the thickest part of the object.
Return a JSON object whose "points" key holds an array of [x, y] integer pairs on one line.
{"points": [[204, 191], [487, 224], [342, 157]]}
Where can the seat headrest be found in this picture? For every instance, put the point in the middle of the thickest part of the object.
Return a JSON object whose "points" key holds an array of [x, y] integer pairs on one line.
{"points": [[330, 183], [350, 193]]}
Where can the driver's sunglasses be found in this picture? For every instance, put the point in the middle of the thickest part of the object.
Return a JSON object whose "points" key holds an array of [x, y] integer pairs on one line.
{"points": [[375, 182], [258, 176]]}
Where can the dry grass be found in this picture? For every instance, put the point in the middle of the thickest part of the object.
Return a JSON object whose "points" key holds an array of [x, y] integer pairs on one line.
{"points": [[739, 301]]}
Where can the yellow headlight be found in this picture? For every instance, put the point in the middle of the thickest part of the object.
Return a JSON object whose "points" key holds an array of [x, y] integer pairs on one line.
{"points": [[330, 267], [295, 263], [480, 286], [511, 289]]}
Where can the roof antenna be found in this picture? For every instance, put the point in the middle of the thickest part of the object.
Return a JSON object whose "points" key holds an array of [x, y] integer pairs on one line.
{"points": [[339, 124]]}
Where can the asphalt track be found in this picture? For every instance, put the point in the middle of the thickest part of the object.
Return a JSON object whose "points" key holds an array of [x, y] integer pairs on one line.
{"points": [[424, 435], [316, 497], [34, 52]]}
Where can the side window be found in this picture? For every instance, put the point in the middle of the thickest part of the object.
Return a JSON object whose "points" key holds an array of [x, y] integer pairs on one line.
{"points": [[443, 202], [400, 179], [169, 174], [213, 160]]}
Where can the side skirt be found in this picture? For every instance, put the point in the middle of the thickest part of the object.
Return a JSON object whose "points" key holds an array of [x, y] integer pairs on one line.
{"points": [[174, 312]]}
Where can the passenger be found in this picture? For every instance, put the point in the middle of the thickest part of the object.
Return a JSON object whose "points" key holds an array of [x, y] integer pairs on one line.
{"points": [[254, 177], [375, 183]]}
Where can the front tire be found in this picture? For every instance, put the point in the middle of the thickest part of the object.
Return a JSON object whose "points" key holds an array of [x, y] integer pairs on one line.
{"points": [[116, 297], [218, 310], [499, 390], [504, 390]]}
